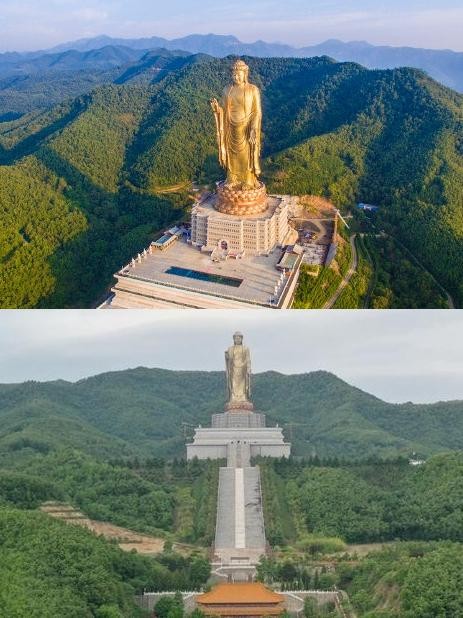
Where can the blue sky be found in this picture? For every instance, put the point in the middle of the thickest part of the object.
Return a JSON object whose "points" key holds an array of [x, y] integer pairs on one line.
{"points": [[396, 355], [34, 24]]}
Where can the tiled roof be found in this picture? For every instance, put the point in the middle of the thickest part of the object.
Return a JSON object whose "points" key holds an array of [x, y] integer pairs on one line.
{"points": [[242, 610], [240, 593]]}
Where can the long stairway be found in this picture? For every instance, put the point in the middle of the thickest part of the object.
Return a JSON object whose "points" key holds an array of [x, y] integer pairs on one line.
{"points": [[240, 531]]}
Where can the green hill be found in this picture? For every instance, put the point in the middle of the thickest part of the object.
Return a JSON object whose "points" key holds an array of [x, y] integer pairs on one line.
{"points": [[410, 580], [364, 503], [52, 569], [140, 411], [330, 128]]}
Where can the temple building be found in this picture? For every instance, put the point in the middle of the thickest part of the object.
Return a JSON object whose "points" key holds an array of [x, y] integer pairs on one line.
{"points": [[242, 599]]}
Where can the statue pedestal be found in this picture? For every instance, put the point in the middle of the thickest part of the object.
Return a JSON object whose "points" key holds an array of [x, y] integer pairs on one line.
{"points": [[238, 419], [238, 408], [241, 427], [213, 442], [241, 202]]}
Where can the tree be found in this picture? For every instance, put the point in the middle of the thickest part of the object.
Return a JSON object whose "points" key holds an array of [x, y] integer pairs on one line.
{"points": [[288, 572], [200, 571], [310, 608], [164, 606]]}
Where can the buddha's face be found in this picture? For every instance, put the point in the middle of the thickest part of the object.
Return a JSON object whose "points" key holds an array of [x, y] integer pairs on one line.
{"points": [[239, 76], [237, 339]]}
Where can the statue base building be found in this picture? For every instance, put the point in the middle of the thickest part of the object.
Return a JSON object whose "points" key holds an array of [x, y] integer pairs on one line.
{"points": [[235, 229], [246, 429], [224, 262]]}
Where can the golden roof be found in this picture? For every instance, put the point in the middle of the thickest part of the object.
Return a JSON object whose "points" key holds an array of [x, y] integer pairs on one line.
{"points": [[236, 594]]}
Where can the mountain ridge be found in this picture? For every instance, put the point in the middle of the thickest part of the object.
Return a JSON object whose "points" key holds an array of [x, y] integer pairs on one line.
{"points": [[141, 411], [443, 64]]}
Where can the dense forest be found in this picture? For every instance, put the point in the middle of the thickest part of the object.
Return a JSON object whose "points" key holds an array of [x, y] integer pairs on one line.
{"points": [[51, 569], [405, 522], [139, 412], [93, 171], [364, 502], [97, 444], [410, 580], [152, 496]]}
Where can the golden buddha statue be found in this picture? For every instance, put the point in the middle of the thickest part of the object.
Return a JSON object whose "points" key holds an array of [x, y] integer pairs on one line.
{"points": [[238, 124], [238, 368]]}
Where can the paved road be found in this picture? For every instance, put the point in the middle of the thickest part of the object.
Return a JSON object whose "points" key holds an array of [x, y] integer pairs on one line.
{"points": [[347, 277]]}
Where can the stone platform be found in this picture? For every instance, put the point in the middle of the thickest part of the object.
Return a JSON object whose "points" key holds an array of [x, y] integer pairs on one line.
{"points": [[149, 284], [230, 262], [245, 430], [212, 443]]}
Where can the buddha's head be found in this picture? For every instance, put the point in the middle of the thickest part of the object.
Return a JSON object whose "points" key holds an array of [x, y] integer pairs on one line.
{"points": [[238, 338], [240, 72]]}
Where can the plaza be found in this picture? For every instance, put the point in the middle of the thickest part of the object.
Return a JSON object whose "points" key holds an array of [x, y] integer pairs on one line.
{"points": [[182, 276]]}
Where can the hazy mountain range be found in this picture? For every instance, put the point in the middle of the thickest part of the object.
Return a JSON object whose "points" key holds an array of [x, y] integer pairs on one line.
{"points": [[445, 66]]}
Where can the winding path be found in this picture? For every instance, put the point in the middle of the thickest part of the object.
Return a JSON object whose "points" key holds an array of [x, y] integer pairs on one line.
{"points": [[354, 264]]}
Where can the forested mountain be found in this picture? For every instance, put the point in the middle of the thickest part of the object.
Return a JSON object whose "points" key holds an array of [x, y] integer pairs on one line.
{"points": [[54, 569], [141, 411], [35, 84], [73, 60], [93, 171], [364, 503], [444, 65], [95, 445]]}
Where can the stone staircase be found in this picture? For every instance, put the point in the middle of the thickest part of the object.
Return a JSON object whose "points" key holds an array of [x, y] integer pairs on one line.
{"points": [[240, 530], [255, 530], [225, 526]]}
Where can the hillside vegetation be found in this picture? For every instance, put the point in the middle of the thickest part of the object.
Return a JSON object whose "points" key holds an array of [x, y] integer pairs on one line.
{"points": [[53, 569], [410, 580], [364, 503], [332, 129], [97, 445], [140, 411], [169, 500]]}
